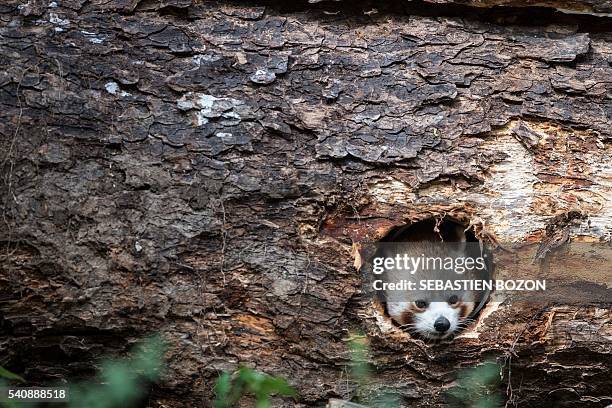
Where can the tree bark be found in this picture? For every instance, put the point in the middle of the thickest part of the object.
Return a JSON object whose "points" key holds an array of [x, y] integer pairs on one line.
{"points": [[208, 169]]}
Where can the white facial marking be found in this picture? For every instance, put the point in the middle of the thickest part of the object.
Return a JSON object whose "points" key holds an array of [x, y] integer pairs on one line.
{"points": [[395, 309], [424, 321]]}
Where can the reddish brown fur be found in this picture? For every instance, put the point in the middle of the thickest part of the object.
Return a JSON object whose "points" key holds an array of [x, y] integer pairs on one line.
{"points": [[407, 317], [465, 309]]}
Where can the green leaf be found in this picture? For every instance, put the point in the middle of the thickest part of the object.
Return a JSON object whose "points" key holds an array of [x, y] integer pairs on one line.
{"points": [[119, 383], [262, 386], [490, 401], [263, 401], [477, 387], [359, 352], [148, 358], [222, 390], [276, 385], [4, 373]]}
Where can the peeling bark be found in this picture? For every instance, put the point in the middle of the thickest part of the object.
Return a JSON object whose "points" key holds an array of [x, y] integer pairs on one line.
{"points": [[204, 169], [594, 7]]}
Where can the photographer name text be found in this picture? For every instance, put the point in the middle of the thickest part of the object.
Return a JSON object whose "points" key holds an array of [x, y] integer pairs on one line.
{"points": [[461, 284]]}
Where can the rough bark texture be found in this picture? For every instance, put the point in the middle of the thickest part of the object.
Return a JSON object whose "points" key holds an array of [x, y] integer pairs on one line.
{"points": [[603, 7], [204, 169], [594, 7]]}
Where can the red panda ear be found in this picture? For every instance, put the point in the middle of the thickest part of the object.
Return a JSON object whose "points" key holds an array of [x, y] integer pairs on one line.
{"points": [[462, 239], [455, 235], [466, 309]]}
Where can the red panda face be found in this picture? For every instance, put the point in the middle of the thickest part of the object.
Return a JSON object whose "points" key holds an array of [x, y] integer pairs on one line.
{"points": [[435, 320]]}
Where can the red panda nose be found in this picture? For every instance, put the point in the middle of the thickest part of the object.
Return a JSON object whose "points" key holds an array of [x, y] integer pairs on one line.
{"points": [[441, 324]]}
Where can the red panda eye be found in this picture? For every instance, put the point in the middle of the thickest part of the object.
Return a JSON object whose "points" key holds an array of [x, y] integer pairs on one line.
{"points": [[453, 299], [421, 304]]}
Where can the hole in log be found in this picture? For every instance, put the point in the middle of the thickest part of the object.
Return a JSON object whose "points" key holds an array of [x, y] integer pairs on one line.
{"points": [[427, 311]]}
